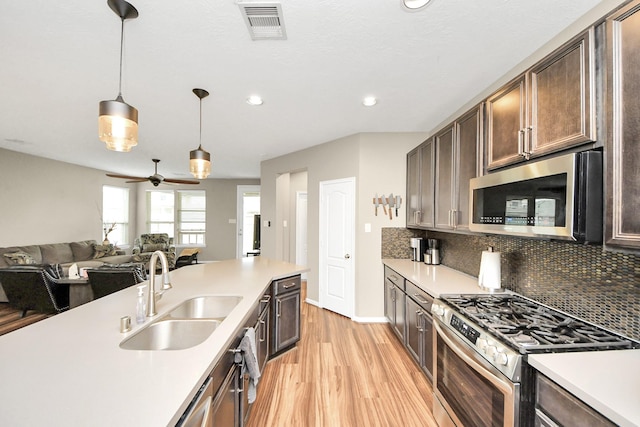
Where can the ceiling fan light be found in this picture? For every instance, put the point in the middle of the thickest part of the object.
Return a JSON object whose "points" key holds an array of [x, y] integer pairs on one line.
{"points": [[118, 125], [199, 163]]}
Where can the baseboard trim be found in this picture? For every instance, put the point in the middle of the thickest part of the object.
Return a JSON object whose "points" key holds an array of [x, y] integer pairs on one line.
{"points": [[312, 302], [370, 319]]}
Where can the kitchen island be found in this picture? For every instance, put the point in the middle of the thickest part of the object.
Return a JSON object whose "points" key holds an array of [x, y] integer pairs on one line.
{"points": [[70, 370]]}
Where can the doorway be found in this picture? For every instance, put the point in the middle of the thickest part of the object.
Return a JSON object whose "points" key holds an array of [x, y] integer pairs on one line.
{"points": [[337, 237], [301, 229], [248, 221]]}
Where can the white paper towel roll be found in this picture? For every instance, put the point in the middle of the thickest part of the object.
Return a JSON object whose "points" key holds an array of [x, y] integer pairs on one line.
{"points": [[489, 276]]}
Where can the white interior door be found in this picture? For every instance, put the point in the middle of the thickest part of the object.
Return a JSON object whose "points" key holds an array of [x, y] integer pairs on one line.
{"points": [[301, 229], [337, 236], [248, 206]]}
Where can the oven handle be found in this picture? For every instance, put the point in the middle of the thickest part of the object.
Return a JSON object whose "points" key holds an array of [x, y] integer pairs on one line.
{"points": [[465, 355]]}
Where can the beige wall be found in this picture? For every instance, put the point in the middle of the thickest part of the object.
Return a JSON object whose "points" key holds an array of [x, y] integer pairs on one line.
{"points": [[47, 201], [378, 161]]}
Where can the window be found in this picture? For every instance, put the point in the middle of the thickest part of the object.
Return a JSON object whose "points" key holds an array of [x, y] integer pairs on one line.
{"points": [[115, 214], [192, 215], [181, 214], [160, 212]]}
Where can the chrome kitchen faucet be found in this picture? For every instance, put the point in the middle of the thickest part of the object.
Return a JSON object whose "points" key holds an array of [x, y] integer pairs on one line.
{"points": [[166, 285]]}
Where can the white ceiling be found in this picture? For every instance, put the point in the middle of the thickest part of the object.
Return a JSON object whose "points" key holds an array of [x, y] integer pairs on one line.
{"points": [[59, 59]]}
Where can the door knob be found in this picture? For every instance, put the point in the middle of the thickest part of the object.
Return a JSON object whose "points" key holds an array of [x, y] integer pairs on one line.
{"points": [[347, 256]]}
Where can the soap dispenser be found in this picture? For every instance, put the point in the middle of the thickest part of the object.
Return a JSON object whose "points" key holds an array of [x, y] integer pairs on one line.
{"points": [[140, 305]]}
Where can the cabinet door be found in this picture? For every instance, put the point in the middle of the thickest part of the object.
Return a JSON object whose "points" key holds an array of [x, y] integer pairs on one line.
{"points": [[399, 324], [413, 187], [225, 408], [287, 321], [468, 146], [444, 177], [414, 328], [427, 344], [562, 89], [262, 338], [623, 127], [389, 302], [506, 124], [427, 172]]}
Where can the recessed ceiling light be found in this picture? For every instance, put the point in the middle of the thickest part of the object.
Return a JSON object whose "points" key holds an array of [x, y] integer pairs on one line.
{"points": [[254, 100], [414, 5], [369, 101]]}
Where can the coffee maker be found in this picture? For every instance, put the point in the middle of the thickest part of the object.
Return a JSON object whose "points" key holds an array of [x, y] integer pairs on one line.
{"points": [[433, 252], [418, 248]]}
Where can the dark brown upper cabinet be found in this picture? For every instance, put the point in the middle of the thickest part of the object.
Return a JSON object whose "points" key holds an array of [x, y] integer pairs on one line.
{"points": [[623, 128], [549, 108], [420, 173]]}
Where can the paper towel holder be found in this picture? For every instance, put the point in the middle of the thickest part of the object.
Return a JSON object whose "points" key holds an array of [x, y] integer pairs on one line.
{"points": [[489, 276]]}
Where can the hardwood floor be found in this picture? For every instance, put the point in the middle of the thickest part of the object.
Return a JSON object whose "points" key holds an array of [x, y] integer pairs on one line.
{"points": [[10, 319], [342, 373]]}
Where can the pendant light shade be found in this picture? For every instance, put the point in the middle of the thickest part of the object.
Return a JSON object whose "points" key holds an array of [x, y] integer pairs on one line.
{"points": [[199, 159], [118, 121]]}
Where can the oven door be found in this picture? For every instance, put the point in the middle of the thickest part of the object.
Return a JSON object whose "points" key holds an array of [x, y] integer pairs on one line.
{"points": [[468, 390]]}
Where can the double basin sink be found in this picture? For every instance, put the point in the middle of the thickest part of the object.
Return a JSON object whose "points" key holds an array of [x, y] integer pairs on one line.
{"points": [[185, 326]]}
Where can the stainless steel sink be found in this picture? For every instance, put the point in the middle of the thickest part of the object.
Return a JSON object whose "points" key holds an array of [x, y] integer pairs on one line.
{"points": [[187, 325], [170, 334], [205, 307]]}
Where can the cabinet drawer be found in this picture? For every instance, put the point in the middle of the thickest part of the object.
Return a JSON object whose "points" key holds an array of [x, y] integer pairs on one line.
{"points": [[564, 408], [418, 295], [393, 277], [286, 285]]}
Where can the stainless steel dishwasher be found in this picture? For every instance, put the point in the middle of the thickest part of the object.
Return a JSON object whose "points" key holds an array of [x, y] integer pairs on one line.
{"points": [[198, 415]]}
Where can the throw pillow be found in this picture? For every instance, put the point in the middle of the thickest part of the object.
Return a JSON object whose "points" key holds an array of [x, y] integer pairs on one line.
{"points": [[101, 251], [152, 247], [19, 258]]}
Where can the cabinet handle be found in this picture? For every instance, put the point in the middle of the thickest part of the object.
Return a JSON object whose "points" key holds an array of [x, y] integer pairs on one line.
{"points": [[529, 142], [521, 142], [263, 331], [278, 305], [291, 285], [266, 299], [420, 299], [454, 218], [418, 314], [393, 278]]}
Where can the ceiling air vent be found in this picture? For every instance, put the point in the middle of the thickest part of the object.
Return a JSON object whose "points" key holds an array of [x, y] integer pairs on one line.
{"points": [[264, 20]]}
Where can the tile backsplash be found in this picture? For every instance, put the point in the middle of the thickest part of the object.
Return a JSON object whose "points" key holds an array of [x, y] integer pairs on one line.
{"points": [[599, 286]]}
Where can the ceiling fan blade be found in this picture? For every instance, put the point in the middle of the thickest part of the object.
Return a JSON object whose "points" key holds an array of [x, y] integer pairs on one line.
{"points": [[113, 175], [181, 181], [138, 180]]}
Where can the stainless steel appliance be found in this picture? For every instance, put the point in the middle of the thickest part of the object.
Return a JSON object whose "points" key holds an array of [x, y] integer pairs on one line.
{"points": [[559, 198], [433, 252], [418, 248], [481, 375]]}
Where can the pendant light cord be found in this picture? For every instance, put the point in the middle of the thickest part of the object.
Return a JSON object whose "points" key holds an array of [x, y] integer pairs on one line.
{"points": [[200, 144], [121, 48]]}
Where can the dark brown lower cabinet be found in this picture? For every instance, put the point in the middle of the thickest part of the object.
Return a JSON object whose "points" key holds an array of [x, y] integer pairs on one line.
{"points": [[556, 407], [285, 314], [419, 339]]}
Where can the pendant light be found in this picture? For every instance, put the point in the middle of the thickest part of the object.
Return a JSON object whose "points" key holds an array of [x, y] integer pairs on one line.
{"points": [[199, 159], [118, 121]]}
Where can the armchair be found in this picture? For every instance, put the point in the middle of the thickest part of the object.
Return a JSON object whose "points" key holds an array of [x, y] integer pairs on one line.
{"points": [[35, 287], [108, 279], [147, 244]]}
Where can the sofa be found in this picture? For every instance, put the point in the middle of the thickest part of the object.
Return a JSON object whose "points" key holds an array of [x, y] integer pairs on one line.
{"points": [[85, 253]]}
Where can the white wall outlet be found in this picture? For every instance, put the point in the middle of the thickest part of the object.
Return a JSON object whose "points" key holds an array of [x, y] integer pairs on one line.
{"points": [[367, 228], [232, 220]]}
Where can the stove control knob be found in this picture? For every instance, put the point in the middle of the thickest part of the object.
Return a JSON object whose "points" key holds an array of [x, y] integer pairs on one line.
{"points": [[491, 350], [482, 344], [501, 358], [437, 309]]}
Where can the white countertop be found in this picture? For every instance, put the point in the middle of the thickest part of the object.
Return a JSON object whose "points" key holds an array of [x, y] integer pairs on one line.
{"points": [[435, 279], [69, 369], [608, 381]]}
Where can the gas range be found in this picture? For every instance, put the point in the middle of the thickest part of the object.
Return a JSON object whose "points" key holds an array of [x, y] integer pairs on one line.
{"points": [[504, 328]]}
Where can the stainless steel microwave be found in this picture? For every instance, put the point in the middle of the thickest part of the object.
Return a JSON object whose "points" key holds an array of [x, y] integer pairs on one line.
{"points": [[556, 198]]}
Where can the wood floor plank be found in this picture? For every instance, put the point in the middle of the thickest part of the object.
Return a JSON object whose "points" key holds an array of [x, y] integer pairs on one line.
{"points": [[342, 373]]}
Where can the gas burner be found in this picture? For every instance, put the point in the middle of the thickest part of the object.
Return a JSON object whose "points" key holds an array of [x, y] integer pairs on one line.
{"points": [[529, 326]]}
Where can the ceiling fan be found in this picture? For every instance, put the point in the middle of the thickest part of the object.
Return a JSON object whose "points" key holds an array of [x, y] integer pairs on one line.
{"points": [[155, 179]]}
